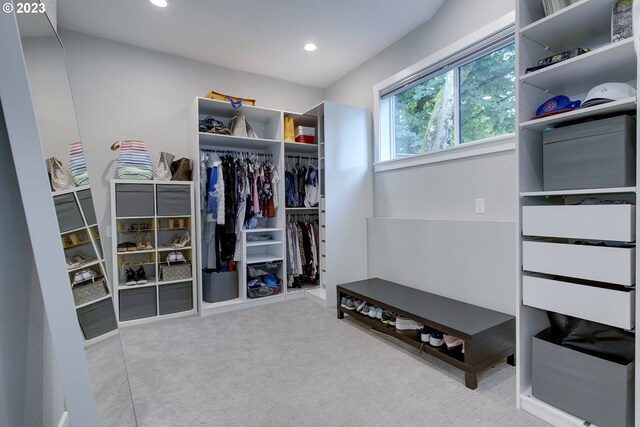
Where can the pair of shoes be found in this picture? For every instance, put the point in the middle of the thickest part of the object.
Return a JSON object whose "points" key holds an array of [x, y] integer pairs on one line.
{"points": [[389, 318], [84, 275], [143, 244], [127, 247], [176, 223], [431, 336], [179, 242], [143, 226], [138, 277], [360, 305], [348, 303], [406, 324], [375, 313], [71, 240], [175, 257], [453, 342]]}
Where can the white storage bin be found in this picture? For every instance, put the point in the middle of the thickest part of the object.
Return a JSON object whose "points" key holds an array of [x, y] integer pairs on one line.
{"points": [[597, 222], [608, 306], [599, 263]]}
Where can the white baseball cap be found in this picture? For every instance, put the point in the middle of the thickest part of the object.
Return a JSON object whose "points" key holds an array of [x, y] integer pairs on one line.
{"points": [[608, 92]]}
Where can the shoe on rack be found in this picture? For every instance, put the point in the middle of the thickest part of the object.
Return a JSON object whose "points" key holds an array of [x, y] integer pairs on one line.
{"points": [[71, 265], [83, 258], [175, 239], [184, 240], [373, 312], [365, 310], [74, 239], [78, 278], [437, 339], [147, 242], [379, 313], [131, 278], [452, 342], [388, 317], [89, 275], [141, 276], [350, 304], [181, 223], [425, 334], [359, 305], [405, 324], [343, 301]]}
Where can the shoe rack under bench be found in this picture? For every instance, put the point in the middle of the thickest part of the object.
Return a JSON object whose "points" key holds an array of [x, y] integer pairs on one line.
{"points": [[489, 336]]}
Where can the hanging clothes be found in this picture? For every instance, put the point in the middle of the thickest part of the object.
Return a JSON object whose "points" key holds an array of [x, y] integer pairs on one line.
{"points": [[302, 252]]}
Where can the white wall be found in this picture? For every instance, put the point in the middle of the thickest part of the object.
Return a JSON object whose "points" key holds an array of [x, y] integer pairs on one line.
{"points": [[445, 190], [31, 392], [127, 92]]}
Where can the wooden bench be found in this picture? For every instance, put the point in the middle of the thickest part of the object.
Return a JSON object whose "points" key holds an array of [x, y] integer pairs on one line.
{"points": [[489, 336]]}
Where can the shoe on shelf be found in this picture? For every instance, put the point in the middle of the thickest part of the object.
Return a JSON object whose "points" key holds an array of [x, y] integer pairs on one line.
{"points": [[147, 241], [343, 301], [175, 239], [74, 239], [83, 258], [379, 313], [170, 224], [350, 304], [184, 240], [141, 276], [452, 342], [131, 277], [437, 339], [78, 278], [134, 227], [373, 312], [365, 310], [71, 265], [123, 247], [358, 303], [89, 275], [181, 223], [389, 318], [425, 334], [405, 324]]}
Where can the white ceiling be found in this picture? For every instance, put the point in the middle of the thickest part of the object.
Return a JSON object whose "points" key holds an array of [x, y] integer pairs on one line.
{"points": [[259, 36]]}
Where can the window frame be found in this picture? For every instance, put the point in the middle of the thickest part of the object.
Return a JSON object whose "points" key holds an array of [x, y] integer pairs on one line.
{"points": [[466, 50]]}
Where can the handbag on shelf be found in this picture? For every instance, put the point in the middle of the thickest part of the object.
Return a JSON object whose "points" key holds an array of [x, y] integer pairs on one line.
{"points": [[59, 178], [171, 272], [134, 161], [162, 171], [78, 164], [181, 169], [234, 100], [211, 125], [90, 291], [240, 127], [289, 132]]}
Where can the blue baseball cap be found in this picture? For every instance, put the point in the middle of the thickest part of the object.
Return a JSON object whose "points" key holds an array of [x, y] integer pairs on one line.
{"points": [[556, 105]]}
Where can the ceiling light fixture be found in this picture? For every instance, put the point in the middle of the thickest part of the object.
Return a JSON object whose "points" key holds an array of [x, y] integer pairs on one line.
{"points": [[487, 98], [159, 3], [310, 47]]}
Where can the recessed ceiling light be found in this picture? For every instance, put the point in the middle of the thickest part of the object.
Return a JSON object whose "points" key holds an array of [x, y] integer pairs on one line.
{"points": [[310, 47], [487, 98], [159, 3]]}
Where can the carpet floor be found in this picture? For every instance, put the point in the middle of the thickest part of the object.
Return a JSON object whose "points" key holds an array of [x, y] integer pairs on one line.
{"points": [[295, 364]]}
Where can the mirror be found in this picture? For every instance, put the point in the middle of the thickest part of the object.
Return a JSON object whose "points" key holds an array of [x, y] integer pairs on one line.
{"points": [[78, 226]]}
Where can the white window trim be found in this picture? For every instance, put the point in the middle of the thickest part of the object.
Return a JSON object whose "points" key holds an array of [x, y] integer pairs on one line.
{"points": [[486, 146]]}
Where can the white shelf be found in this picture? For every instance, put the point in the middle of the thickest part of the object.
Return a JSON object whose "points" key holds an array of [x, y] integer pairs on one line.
{"points": [[567, 28], [145, 285], [626, 104], [264, 243], [615, 62], [300, 147], [88, 264], [146, 251], [315, 208], [75, 230], [167, 249], [127, 218], [255, 259], [617, 190], [168, 282], [222, 142], [213, 107], [261, 230]]}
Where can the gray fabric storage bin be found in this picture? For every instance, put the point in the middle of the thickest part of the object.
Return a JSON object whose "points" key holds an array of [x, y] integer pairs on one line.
{"points": [[134, 200], [97, 319], [86, 203], [137, 303], [221, 286], [68, 212], [588, 387], [596, 154], [175, 297], [174, 200]]}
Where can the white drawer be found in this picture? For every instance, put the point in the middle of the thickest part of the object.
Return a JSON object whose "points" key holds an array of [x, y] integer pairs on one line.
{"points": [[597, 222], [608, 306], [599, 263]]}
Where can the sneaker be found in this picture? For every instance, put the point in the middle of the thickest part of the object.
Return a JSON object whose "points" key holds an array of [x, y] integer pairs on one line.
{"points": [[78, 278], [89, 275], [343, 302], [373, 312], [436, 339], [131, 278], [360, 305], [379, 313], [141, 276], [452, 342], [388, 318], [425, 334], [405, 324], [350, 304], [392, 319], [366, 310]]}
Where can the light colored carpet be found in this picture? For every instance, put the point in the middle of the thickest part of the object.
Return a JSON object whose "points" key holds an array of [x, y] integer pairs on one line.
{"points": [[295, 364]]}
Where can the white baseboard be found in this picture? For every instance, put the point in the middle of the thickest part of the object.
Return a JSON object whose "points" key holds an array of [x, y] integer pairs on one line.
{"points": [[64, 420]]}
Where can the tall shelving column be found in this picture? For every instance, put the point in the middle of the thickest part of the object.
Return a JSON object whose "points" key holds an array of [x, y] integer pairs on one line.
{"points": [[268, 125], [549, 222], [295, 152]]}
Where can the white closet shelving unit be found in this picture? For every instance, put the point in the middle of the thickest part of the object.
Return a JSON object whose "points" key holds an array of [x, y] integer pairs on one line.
{"points": [[342, 149], [143, 202], [610, 296]]}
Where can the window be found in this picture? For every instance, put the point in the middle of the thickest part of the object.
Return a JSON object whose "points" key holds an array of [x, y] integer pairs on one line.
{"points": [[469, 98]]}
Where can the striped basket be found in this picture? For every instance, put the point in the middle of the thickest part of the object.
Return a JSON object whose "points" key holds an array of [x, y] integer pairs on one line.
{"points": [[78, 164], [134, 161]]}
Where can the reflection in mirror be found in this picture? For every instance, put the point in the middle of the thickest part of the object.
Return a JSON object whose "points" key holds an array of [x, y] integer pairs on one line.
{"points": [[79, 235]]}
